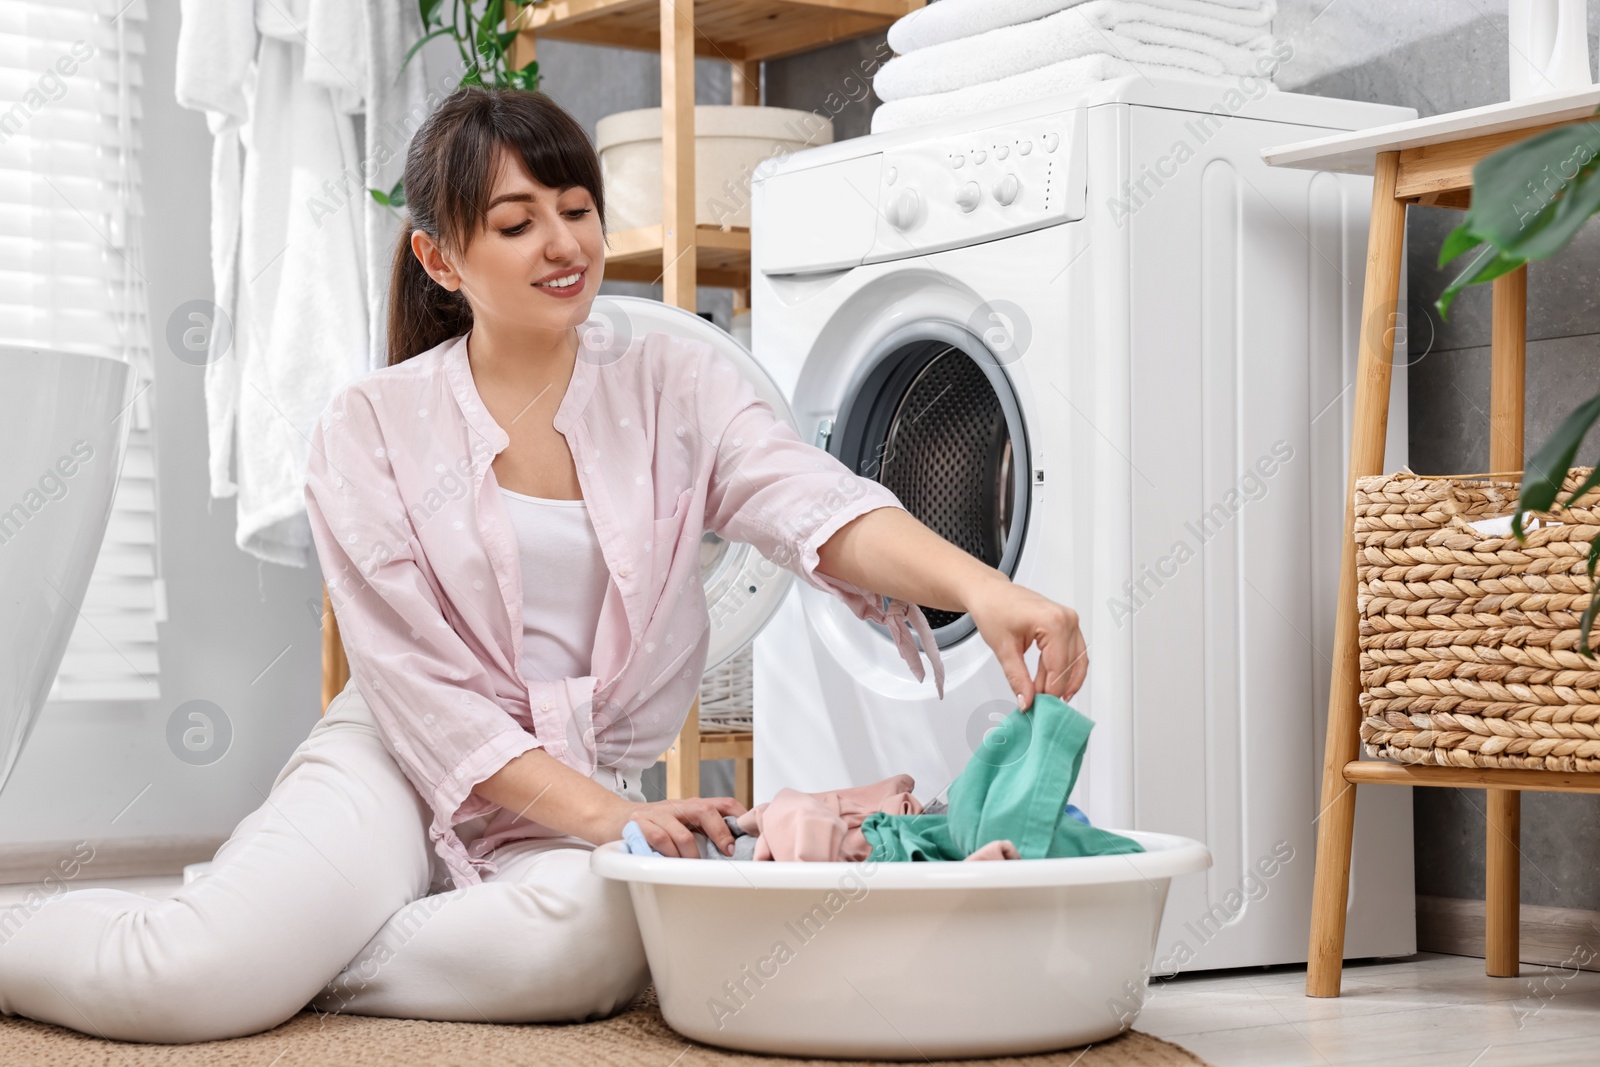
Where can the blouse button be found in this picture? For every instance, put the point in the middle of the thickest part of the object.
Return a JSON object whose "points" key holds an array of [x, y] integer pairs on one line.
{"points": [[680, 431], [477, 583], [624, 572], [588, 469], [544, 705]]}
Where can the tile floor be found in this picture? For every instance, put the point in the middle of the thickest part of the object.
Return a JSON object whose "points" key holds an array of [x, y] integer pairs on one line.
{"points": [[1426, 1010]]}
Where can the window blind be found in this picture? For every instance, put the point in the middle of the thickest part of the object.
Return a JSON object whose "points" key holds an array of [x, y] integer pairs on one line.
{"points": [[72, 278]]}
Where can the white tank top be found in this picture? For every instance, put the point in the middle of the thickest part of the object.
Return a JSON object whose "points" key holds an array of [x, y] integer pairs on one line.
{"points": [[564, 580]]}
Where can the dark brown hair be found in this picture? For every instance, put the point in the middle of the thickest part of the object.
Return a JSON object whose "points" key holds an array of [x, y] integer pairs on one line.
{"points": [[448, 179]]}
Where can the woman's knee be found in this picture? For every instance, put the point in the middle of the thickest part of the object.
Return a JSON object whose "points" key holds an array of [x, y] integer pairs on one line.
{"points": [[598, 950]]}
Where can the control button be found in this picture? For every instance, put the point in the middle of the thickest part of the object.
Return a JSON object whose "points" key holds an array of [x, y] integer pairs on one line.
{"points": [[979, 156], [1051, 140], [894, 172], [1002, 151], [968, 196], [1006, 189], [1025, 147], [905, 208], [958, 161]]}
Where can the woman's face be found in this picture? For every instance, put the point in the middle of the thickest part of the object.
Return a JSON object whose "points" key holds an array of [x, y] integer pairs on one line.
{"points": [[531, 235]]}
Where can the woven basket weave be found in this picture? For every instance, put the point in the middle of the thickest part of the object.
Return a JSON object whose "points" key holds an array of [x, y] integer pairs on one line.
{"points": [[1469, 640]]}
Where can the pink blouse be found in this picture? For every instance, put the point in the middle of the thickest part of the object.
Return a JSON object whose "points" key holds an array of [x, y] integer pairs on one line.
{"points": [[422, 566]]}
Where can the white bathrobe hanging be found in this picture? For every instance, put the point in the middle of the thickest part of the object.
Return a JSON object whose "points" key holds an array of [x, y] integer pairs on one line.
{"points": [[282, 80]]}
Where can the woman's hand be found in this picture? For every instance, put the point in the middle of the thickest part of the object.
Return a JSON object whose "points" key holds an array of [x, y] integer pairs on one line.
{"points": [[669, 825], [1011, 618]]}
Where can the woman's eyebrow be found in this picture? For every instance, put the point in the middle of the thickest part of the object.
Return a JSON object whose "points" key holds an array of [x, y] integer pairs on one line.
{"points": [[527, 197]]}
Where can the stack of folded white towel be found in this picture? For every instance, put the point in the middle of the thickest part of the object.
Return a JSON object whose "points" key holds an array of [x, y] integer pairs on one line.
{"points": [[957, 57]]}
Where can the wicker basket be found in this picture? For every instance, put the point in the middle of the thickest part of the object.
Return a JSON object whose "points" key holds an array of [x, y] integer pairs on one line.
{"points": [[1469, 640], [725, 696]]}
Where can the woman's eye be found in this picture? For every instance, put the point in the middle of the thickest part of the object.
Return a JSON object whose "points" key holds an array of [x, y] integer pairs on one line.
{"points": [[580, 211], [516, 229]]}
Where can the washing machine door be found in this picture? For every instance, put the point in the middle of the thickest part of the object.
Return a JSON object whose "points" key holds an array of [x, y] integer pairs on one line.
{"points": [[741, 602], [932, 414]]}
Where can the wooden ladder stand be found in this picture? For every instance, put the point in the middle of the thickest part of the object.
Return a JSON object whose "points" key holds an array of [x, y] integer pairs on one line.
{"points": [[1428, 161]]}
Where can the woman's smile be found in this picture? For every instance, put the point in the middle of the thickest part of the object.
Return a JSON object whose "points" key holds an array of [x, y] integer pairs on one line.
{"points": [[568, 291]]}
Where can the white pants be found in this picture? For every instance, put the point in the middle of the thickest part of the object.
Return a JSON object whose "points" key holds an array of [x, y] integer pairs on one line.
{"points": [[320, 899]]}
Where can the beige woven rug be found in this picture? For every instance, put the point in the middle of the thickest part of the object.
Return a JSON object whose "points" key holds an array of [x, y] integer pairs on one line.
{"points": [[635, 1038]]}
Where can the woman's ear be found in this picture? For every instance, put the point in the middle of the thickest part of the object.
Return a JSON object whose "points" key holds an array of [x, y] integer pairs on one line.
{"points": [[433, 260]]}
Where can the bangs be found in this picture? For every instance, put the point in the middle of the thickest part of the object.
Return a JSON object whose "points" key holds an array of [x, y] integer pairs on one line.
{"points": [[547, 143]]}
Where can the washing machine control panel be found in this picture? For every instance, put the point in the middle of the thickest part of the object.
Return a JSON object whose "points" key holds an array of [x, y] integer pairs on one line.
{"points": [[980, 186]]}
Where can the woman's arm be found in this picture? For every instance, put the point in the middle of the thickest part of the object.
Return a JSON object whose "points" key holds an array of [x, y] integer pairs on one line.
{"points": [[540, 787], [890, 552]]}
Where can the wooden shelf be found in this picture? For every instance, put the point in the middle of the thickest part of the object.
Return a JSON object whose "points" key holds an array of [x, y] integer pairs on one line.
{"points": [[1374, 772], [723, 256], [733, 30]]}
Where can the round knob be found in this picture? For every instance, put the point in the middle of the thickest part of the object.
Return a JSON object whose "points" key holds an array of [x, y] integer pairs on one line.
{"points": [[903, 209], [1025, 147], [1051, 140], [894, 172], [1006, 189], [968, 196], [1002, 152], [958, 160], [979, 156]]}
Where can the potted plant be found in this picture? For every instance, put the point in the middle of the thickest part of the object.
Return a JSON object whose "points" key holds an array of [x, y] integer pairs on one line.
{"points": [[482, 45]]}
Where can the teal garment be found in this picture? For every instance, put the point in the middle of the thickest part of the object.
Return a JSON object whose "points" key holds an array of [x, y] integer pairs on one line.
{"points": [[1015, 787]]}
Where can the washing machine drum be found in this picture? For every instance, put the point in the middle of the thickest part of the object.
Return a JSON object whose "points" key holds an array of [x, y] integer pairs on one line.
{"points": [[934, 418], [742, 592]]}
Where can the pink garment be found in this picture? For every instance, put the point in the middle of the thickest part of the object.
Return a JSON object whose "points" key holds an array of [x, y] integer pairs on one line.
{"points": [[825, 827], [996, 850], [424, 575]]}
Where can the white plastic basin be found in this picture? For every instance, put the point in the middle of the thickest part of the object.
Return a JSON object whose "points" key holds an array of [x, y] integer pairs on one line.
{"points": [[902, 961]]}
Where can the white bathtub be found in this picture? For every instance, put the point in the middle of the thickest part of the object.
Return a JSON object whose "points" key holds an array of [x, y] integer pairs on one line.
{"points": [[63, 432], [902, 961]]}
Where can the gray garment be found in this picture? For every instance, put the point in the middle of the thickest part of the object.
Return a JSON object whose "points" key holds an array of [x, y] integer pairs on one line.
{"points": [[744, 845]]}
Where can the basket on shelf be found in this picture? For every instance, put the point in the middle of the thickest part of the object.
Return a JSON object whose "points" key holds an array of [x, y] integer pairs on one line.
{"points": [[1468, 639], [725, 699]]}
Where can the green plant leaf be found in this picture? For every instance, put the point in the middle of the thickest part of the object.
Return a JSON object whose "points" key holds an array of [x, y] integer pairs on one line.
{"points": [[1543, 474], [493, 15], [1456, 242], [429, 10], [1515, 190], [1487, 265]]}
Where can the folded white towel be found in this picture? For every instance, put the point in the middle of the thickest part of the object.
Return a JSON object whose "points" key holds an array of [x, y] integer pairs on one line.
{"points": [[1019, 88], [950, 20], [1121, 28], [1500, 525]]}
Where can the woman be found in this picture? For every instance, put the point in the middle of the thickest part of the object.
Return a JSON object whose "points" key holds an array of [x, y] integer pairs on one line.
{"points": [[508, 519]]}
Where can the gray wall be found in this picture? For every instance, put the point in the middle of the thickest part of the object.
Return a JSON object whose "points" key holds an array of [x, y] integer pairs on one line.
{"points": [[1439, 56]]}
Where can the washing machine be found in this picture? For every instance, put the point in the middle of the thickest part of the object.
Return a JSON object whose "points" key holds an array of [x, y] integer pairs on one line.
{"points": [[1097, 343]]}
